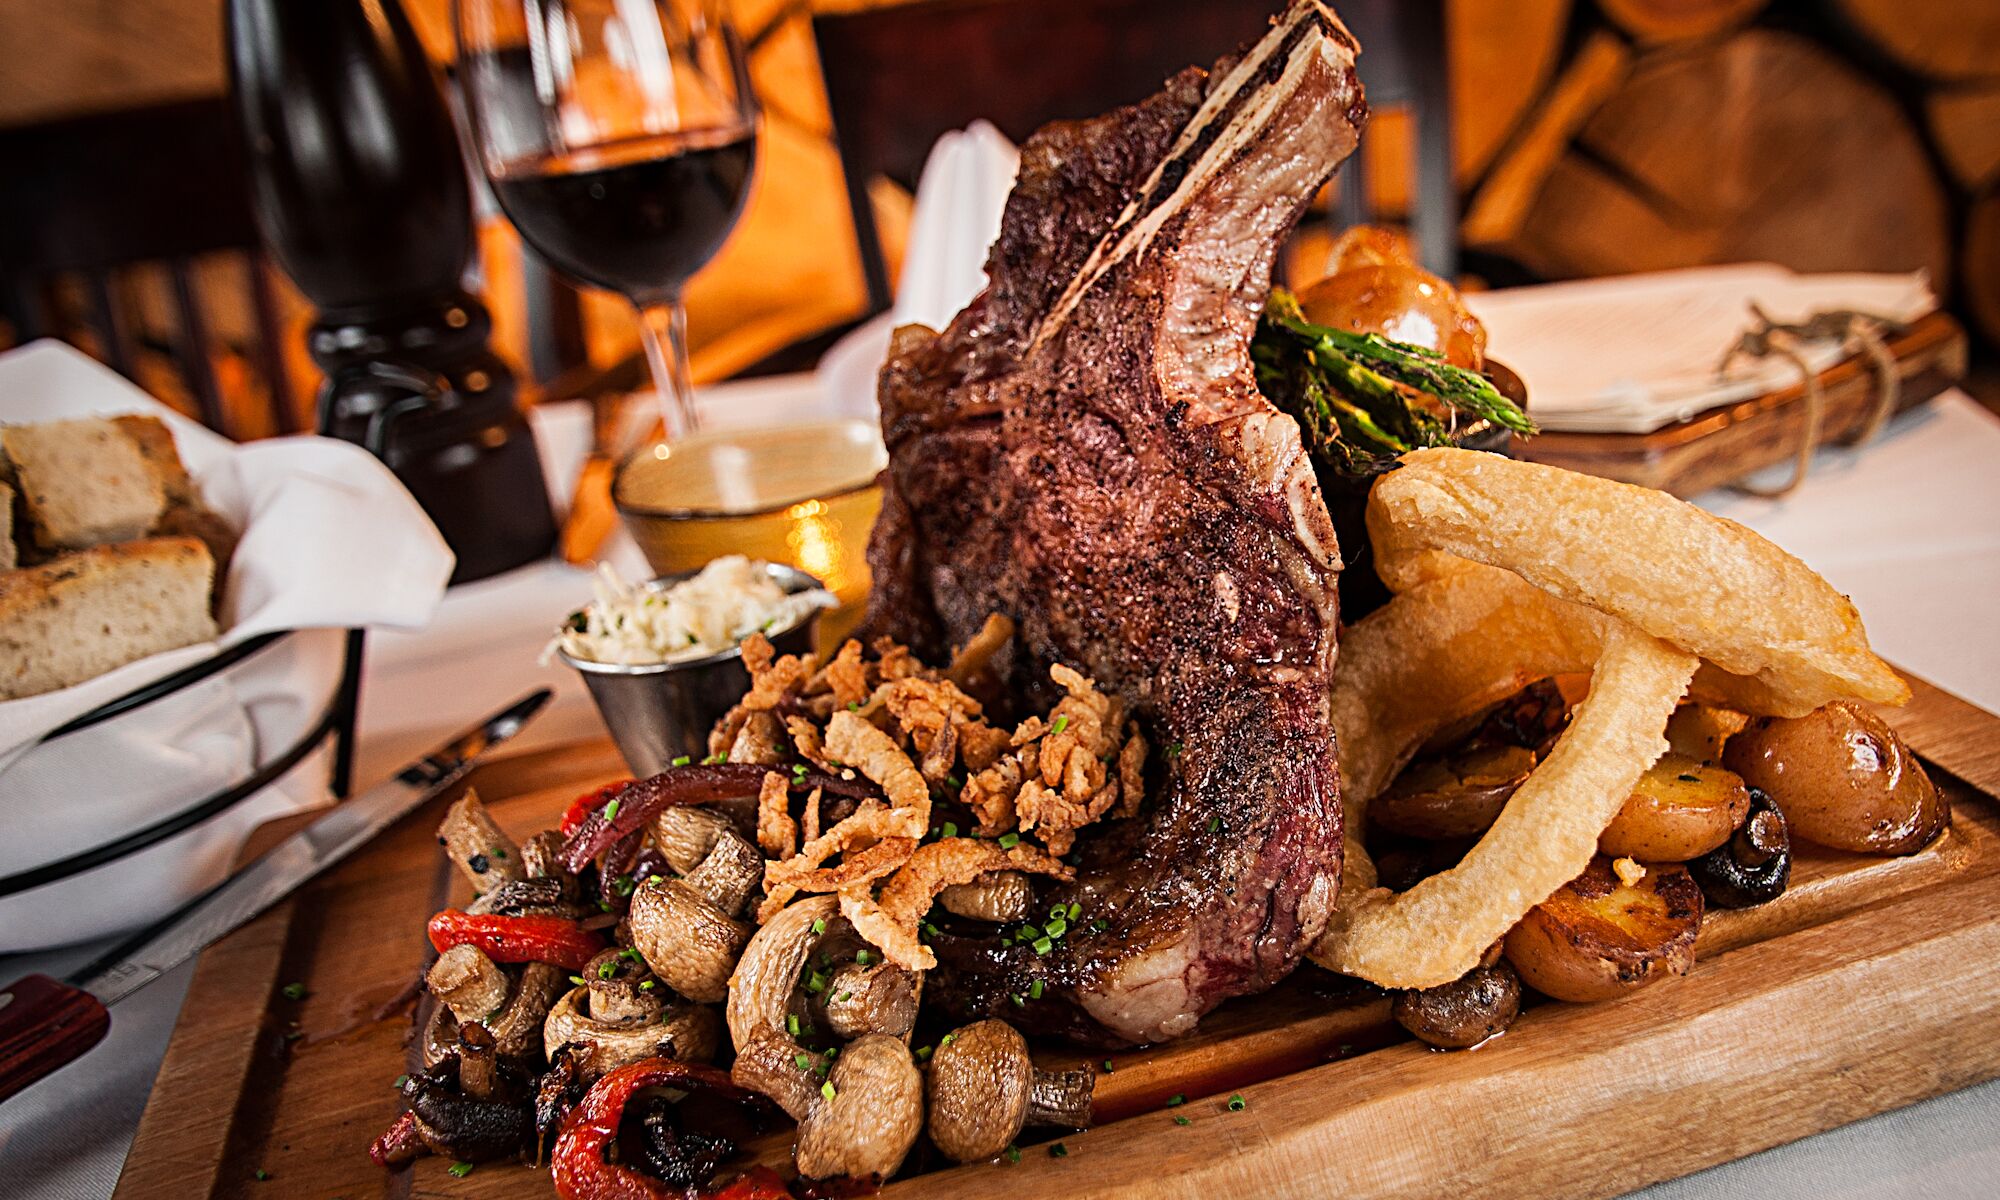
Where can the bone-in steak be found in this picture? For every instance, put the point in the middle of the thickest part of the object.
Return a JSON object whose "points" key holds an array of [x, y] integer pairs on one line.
{"points": [[1084, 449]]}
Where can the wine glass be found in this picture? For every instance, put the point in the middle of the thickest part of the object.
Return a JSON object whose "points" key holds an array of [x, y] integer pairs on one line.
{"points": [[620, 137]]}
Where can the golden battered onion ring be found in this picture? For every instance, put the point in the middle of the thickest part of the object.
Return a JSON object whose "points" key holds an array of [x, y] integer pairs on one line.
{"points": [[1702, 583], [1436, 931]]}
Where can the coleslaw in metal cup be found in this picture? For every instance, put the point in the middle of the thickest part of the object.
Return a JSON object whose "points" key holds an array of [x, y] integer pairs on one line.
{"points": [[661, 712]]}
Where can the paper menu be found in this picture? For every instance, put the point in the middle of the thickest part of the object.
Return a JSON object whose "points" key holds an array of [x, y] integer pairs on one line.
{"points": [[1632, 353]]}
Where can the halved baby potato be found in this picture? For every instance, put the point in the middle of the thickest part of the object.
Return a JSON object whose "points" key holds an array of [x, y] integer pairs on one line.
{"points": [[1599, 937], [1458, 794], [1843, 778], [1699, 731], [1679, 810]]}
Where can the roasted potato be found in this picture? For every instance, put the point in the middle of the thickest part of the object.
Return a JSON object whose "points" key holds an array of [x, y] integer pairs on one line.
{"points": [[1465, 1012], [1699, 731], [1679, 810], [1599, 937], [1843, 779], [1456, 795]]}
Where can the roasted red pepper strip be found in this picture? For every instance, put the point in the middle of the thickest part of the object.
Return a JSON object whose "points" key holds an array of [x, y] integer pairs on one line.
{"points": [[517, 939], [580, 808], [581, 1170]]}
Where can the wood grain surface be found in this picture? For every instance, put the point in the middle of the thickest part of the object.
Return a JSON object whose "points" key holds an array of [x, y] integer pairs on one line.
{"points": [[1871, 984]]}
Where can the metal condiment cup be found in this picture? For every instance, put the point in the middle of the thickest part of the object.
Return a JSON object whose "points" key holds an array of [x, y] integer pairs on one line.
{"points": [[658, 712]]}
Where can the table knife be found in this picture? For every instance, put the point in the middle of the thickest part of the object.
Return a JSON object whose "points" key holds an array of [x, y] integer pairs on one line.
{"points": [[47, 1023]]}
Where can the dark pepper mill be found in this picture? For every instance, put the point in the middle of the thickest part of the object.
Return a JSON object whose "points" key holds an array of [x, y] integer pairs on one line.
{"points": [[361, 194]]}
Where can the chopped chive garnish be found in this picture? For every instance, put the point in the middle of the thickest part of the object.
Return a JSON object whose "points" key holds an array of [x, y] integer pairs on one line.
{"points": [[1058, 927], [498, 853], [1075, 911], [1176, 1100], [1182, 1121], [816, 983], [1058, 1150], [1035, 990], [1061, 724], [863, 958], [607, 968], [578, 980], [460, 1169], [623, 885], [1236, 1103], [842, 997], [1055, 911], [1009, 840], [805, 1061], [950, 830], [401, 1080], [819, 925], [295, 991], [792, 1024], [1107, 1067], [799, 769], [826, 1089], [262, 1175], [1043, 945], [611, 810], [646, 986], [1214, 823], [1013, 1154], [924, 1053], [681, 760], [953, 781], [1016, 998], [629, 954], [1028, 933], [930, 930], [854, 706], [946, 1040], [1099, 925], [714, 759], [1173, 750]]}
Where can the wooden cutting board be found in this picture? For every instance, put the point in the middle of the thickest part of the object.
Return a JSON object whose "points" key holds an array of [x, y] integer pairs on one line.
{"points": [[1870, 984]]}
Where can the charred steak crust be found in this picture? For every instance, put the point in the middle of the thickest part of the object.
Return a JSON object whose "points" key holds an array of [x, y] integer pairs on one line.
{"points": [[1084, 449]]}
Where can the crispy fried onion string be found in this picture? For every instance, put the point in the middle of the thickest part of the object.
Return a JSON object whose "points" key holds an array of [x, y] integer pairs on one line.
{"points": [[1436, 931], [1698, 581], [1509, 572], [891, 922]]}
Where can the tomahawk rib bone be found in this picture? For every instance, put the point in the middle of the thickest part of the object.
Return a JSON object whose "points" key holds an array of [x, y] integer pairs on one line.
{"points": [[1084, 449]]}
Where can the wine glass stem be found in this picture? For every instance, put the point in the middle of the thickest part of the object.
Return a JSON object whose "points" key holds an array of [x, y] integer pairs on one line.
{"points": [[663, 329]]}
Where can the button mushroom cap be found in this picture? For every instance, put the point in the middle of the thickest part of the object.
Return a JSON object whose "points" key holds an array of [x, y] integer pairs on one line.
{"points": [[686, 939], [468, 982], [996, 896], [872, 1117], [685, 834], [880, 997], [769, 968], [483, 853], [685, 1031], [984, 1088]]}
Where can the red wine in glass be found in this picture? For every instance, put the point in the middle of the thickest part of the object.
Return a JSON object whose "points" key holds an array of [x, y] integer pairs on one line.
{"points": [[637, 217]]}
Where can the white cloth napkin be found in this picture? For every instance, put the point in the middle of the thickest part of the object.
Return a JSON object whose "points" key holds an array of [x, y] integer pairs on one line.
{"points": [[330, 538], [1632, 353], [960, 198]]}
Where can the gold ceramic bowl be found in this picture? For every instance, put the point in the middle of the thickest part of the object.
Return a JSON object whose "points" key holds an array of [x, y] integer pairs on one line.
{"points": [[804, 495]]}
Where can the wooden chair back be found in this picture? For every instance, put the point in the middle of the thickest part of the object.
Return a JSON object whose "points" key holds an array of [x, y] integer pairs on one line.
{"points": [[89, 205], [900, 76]]}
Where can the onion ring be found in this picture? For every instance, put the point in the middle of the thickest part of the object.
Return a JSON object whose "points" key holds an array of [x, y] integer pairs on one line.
{"points": [[1436, 931], [1698, 581]]}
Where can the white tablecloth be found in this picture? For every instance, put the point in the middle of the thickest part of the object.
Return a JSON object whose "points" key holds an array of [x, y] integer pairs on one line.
{"points": [[1910, 527]]}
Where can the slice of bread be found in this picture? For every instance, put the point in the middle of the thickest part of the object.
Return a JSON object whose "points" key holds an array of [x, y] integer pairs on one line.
{"points": [[8, 555], [156, 445], [83, 614], [84, 482]]}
